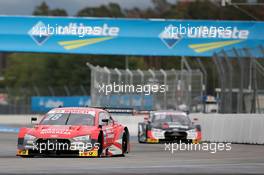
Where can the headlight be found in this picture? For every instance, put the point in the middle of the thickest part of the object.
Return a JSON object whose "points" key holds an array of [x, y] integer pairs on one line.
{"points": [[192, 131], [158, 133], [191, 134], [29, 137], [156, 130], [82, 138]]}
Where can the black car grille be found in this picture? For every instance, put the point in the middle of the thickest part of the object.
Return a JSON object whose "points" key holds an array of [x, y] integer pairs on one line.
{"points": [[173, 136]]}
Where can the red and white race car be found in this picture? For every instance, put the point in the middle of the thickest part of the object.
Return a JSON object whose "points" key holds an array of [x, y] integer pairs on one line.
{"points": [[88, 132], [168, 126]]}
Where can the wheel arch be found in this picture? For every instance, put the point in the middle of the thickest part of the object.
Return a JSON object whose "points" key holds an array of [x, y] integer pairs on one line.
{"points": [[22, 132]]}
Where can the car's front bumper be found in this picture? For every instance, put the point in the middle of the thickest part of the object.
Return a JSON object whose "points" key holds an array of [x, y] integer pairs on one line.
{"points": [[70, 153], [158, 136], [57, 147], [152, 140]]}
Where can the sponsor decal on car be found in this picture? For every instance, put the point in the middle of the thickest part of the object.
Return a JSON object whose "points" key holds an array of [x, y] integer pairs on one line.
{"points": [[22, 152], [151, 140], [55, 131], [92, 153]]}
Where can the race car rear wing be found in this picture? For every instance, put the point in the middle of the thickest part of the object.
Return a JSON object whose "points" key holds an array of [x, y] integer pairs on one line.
{"points": [[120, 110], [126, 111], [131, 111], [116, 110]]}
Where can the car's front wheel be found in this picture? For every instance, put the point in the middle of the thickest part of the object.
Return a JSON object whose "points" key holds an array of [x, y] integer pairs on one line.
{"points": [[100, 141], [125, 140]]}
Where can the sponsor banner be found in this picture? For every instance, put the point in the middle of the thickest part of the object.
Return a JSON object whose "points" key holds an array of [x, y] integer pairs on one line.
{"points": [[127, 36], [46, 103]]}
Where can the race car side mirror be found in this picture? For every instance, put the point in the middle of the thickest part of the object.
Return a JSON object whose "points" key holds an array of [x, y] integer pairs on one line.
{"points": [[198, 127], [105, 120], [146, 119], [33, 119]]}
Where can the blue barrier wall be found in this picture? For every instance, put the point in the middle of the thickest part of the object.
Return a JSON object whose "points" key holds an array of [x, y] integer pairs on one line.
{"points": [[44, 103], [129, 101]]}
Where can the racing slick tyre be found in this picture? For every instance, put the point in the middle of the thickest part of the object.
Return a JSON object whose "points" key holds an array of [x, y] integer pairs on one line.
{"points": [[140, 140], [100, 141], [125, 141], [140, 135]]}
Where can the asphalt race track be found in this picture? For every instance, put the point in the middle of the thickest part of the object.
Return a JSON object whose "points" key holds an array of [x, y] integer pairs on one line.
{"points": [[143, 159]]}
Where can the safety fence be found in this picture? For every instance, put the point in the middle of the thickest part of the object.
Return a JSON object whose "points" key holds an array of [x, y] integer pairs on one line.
{"points": [[182, 87], [240, 76]]}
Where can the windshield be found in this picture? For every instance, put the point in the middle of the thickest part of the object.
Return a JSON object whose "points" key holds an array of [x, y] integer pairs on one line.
{"points": [[68, 119], [171, 118]]}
